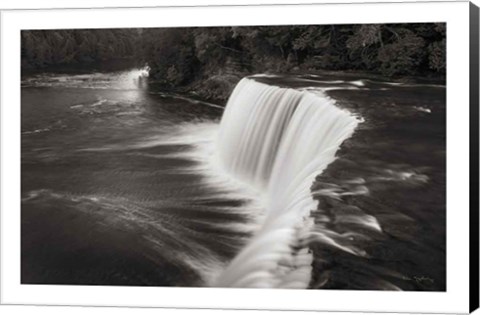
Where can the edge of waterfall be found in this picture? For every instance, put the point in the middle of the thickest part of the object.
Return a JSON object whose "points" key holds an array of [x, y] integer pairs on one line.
{"points": [[283, 168]]}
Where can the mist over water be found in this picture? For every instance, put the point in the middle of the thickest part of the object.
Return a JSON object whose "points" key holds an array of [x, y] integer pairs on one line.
{"points": [[301, 182]]}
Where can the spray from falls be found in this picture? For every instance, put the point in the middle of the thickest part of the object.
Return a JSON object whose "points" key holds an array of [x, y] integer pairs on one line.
{"points": [[278, 140]]}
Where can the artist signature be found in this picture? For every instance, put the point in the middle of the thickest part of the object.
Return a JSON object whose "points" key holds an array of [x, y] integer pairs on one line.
{"points": [[419, 279]]}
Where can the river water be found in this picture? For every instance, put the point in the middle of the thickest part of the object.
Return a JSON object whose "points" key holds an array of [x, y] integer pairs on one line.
{"points": [[121, 186]]}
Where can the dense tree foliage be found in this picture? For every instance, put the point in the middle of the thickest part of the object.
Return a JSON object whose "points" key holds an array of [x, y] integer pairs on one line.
{"points": [[396, 49], [44, 48]]}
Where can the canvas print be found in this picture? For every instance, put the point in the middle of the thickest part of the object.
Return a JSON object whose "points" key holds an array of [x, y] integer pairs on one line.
{"points": [[291, 157]]}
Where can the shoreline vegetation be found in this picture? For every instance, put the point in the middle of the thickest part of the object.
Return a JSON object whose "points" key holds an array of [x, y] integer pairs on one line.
{"points": [[209, 62]]}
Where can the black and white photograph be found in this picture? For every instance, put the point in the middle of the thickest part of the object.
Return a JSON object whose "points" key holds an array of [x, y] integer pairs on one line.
{"points": [[196, 156], [262, 156]]}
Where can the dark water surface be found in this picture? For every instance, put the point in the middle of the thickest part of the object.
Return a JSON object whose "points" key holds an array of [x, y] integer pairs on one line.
{"points": [[394, 167], [119, 186], [113, 190]]}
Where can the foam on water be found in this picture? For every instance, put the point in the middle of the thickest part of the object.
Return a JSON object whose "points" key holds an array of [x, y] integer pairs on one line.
{"points": [[278, 140], [123, 80]]}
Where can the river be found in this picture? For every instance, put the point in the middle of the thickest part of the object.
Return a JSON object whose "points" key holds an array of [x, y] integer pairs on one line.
{"points": [[121, 185]]}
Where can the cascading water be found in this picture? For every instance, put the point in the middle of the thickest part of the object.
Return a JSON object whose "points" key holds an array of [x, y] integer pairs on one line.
{"points": [[152, 179], [278, 140]]}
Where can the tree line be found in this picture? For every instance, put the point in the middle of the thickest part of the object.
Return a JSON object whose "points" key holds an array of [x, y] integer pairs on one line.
{"points": [[396, 49], [44, 48], [182, 56]]}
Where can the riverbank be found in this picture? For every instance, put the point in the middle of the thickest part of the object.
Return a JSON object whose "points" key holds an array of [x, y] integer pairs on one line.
{"points": [[217, 88]]}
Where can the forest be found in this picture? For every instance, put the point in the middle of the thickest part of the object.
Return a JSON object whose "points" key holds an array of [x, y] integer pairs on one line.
{"points": [[212, 60], [44, 48]]}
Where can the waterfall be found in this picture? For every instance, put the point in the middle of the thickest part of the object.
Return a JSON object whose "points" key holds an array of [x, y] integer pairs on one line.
{"points": [[277, 140]]}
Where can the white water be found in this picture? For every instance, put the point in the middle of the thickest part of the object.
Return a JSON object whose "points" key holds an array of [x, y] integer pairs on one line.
{"points": [[121, 80], [278, 140]]}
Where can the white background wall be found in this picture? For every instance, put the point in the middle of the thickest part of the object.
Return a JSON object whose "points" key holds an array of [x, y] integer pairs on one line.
{"points": [[61, 310]]}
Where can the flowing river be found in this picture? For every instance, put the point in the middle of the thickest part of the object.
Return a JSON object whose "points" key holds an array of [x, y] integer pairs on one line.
{"points": [[303, 181]]}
